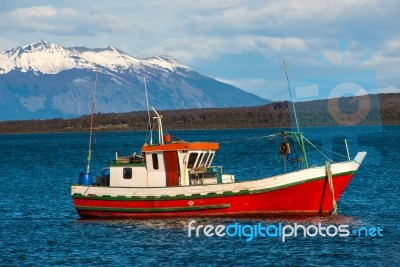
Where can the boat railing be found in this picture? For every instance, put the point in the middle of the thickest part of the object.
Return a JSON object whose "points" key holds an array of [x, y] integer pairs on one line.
{"points": [[128, 160], [210, 175]]}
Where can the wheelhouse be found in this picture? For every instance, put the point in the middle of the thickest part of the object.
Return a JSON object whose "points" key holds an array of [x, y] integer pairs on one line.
{"points": [[167, 165]]}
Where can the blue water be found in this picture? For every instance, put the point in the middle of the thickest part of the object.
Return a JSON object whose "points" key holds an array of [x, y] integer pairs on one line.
{"points": [[39, 226]]}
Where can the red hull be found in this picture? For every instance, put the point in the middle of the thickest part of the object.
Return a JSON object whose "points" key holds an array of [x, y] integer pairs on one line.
{"points": [[313, 197]]}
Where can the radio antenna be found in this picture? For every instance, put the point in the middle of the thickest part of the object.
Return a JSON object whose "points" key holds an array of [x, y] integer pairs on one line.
{"points": [[148, 111]]}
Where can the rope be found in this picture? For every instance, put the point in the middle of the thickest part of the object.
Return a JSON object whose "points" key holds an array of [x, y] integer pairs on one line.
{"points": [[269, 80], [329, 175], [270, 137], [278, 94], [283, 120], [86, 191], [331, 151], [317, 149]]}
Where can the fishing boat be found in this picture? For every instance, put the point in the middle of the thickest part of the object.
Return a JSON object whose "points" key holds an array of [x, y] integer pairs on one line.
{"points": [[175, 178]]}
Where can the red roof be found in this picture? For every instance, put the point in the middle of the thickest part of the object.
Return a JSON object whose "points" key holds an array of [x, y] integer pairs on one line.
{"points": [[181, 146]]}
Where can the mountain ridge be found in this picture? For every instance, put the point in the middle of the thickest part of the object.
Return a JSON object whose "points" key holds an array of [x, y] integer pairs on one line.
{"points": [[79, 57], [44, 80]]}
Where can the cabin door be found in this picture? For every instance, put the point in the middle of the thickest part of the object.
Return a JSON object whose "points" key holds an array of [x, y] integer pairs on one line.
{"points": [[172, 167]]}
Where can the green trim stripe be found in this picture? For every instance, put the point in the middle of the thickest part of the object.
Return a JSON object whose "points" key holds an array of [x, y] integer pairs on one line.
{"points": [[127, 165], [173, 209], [197, 195]]}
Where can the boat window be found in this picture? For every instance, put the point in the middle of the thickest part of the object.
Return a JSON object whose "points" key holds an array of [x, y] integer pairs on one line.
{"points": [[155, 161], [127, 173], [210, 158], [199, 160], [203, 162], [192, 160]]}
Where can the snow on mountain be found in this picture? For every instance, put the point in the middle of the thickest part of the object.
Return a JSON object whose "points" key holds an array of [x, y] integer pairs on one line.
{"points": [[49, 58], [41, 57], [45, 80]]}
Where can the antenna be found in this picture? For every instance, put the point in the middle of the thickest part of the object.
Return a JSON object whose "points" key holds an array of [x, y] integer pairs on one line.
{"points": [[160, 128], [291, 97], [148, 111], [91, 127]]}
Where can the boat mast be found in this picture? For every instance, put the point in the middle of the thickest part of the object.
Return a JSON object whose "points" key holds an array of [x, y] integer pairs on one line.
{"points": [[89, 157], [291, 97], [298, 135], [148, 111]]}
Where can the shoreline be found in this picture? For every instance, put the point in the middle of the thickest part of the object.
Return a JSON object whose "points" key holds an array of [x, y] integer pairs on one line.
{"points": [[383, 111], [196, 129]]}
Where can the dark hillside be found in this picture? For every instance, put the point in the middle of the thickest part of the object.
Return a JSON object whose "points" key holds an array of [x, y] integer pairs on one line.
{"points": [[362, 110]]}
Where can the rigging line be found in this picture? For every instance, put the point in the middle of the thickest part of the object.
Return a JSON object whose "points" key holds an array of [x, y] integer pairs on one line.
{"points": [[317, 149], [277, 144], [251, 138], [278, 94], [296, 158], [331, 151], [268, 81], [283, 120], [291, 97]]}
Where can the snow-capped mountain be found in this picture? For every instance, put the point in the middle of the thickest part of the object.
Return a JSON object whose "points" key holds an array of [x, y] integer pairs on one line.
{"points": [[48, 58], [45, 80]]}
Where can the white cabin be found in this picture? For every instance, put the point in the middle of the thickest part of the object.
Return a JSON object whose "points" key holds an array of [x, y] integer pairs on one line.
{"points": [[167, 165]]}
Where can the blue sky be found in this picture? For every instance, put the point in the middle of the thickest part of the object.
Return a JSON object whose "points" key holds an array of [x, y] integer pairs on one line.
{"points": [[325, 43]]}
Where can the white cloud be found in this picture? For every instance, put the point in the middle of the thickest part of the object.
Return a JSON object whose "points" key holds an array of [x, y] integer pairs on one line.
{"points": [[63, 21], [189, 50], [269, 28], [392, 47], [6, 44], [38, 11], [209, 30]]}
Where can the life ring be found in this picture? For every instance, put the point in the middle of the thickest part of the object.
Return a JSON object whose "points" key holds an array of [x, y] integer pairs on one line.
{"points": [[285, 148]]}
